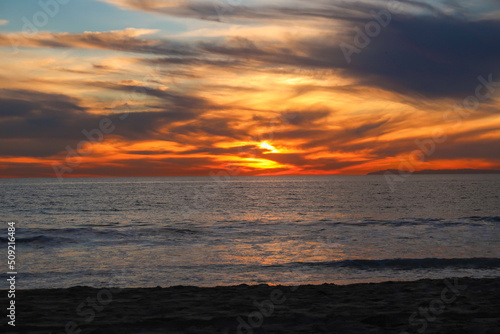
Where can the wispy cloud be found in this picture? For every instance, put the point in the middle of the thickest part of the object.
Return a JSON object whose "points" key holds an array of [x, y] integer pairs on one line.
{"points": [[210, 95]]}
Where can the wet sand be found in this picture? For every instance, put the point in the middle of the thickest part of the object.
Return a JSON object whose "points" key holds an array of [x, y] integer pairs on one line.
{"points": [[461, 305]]}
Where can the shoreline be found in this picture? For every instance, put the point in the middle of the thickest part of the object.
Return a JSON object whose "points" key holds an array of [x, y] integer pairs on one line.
{"points": [[453, 305]]}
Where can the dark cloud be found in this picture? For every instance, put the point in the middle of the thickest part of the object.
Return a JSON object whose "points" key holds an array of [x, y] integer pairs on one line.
{"points": [[245, 150], [171, 98], [476, 149], [367, 129], [25, 169], [308, 164], [127, 40], [304, 118], [211, 127], [38, 124], [190, 61], [457, 146], [297, 118], [434, 57], [226, 11]]}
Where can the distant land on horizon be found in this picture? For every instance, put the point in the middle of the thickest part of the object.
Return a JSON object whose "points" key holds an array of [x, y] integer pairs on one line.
{"points": [[439, 171]]}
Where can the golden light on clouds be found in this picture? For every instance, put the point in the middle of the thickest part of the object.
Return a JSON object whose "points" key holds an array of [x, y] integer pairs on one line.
{"points": [[268, 147], [189, 89]]}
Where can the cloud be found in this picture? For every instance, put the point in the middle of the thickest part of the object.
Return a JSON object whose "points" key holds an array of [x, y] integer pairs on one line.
{"points": [[171, 98], [145, 4], [435, 54], [213, 99], [27, 117], [263, 12], [435, 57], [119, 40], [3, 22]]}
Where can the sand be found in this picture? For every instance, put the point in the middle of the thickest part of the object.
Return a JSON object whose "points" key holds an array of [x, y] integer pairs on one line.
{"points": [[461, 305]]}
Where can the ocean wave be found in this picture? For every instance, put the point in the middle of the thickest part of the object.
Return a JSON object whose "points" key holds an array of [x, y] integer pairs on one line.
{"points": [[34, 239], [178, 230], [99, 234], [492, 219], [404, 264], [466, 221]]}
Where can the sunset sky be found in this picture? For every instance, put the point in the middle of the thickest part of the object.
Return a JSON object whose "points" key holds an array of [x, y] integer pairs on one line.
{"points": [[253, 87]]}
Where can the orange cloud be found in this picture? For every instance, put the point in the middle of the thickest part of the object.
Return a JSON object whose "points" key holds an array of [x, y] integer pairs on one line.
{"points": [[251, 98]]}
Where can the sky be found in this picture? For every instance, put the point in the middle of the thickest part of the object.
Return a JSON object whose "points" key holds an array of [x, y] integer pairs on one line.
{"points": [[247, 87]]}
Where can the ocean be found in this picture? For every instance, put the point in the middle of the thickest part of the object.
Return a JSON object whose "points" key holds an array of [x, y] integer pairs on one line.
{"points": [[205, 231]]}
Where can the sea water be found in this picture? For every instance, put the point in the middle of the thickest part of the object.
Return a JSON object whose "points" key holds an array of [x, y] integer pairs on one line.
{"points": [[208, 231]]}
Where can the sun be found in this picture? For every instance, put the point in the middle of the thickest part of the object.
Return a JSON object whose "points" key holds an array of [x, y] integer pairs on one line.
{"points": [[269, 147]]}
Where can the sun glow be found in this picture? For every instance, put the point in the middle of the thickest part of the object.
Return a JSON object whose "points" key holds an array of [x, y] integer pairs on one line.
{"points": [[268, 147]]}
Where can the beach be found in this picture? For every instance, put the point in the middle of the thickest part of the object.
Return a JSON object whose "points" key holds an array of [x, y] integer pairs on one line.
{"points": [[463, 305]]}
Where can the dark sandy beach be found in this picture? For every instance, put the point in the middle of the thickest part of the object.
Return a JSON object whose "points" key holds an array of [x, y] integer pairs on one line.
{"points": [[426, 306]]}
